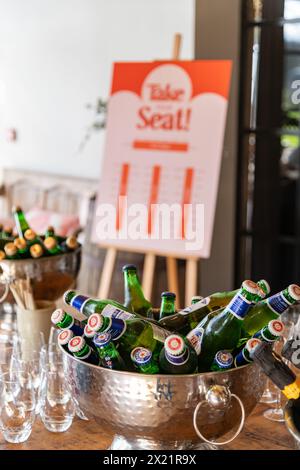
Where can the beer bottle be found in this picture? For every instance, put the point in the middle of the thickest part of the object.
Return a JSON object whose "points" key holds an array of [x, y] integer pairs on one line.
{"points": [[50, 232], [106, 307], [2, 255], [7, 232], [177, 357], [270, 309], [80, 349], [277, 371], [22, 247], [64, 338], [1, 230], [223, 360], [32, 238], [245, 355], [167, 306], [51, 246], [224, 330], [36, 250], [271, 332], [65, 321], [195, 299], [70, 244], [107, 352], [134, 297], [11, 251], [143, 361], [20, 221], [130, 333]]}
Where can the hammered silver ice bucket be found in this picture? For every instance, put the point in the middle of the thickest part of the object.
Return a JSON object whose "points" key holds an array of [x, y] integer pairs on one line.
{"points": [[165, 411], [50, 276]]}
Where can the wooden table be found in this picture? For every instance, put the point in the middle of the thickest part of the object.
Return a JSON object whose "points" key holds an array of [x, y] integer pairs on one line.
{"points": [[258, 434]]}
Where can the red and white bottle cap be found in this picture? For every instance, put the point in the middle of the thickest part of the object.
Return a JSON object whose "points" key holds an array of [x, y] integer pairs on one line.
{"points": [[276, 327], [294, 292], [95, 321], [252, 344], [64, 337], [250, 287], [57, 316], [76, 344], [174, 345], [88, 332]]}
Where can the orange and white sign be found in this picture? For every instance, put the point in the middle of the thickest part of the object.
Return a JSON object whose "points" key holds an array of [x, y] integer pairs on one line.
{"points": [[161, 166]]}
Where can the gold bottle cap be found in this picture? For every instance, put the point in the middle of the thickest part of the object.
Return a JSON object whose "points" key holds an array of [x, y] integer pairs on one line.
{"points": [[36, 250], [30, 234], [10, 249], [2, 255], [8, 230], [50, 243], [16, 209], [50, 228], [72, 242], [20, 243]]}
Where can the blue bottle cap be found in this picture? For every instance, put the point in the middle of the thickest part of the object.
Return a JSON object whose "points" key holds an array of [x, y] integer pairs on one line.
{"points": [[223, 359], [141, 356], [102, 339], [168, 294]]}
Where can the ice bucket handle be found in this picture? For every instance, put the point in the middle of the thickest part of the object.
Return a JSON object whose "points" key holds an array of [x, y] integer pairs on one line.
{"points": [[219, 396]]}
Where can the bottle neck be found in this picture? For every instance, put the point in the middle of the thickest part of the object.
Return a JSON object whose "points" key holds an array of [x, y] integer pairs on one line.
{"points": [[133, 288], [167, 306], [265, 335], [21, 223], [66, 322], [84, 352], [179, 359], [238, 306], [280, 302]]}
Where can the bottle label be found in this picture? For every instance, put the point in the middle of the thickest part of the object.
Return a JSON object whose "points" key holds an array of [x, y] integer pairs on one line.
{"points": [[195, 337], [192, 308], [178, 360], [78, 302], [239, 306], [113, 312], [116, 328], [241, 359], [160, 334], [278, 303]]}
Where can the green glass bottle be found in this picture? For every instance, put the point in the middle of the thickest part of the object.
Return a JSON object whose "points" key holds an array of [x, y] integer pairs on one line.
{"points": [[270, 309], [64, 320], [51, 246], [80, 349], [244, 356], [64, 338], [224, 330], [223, 360], [7, 232], [11, 251], [107, 352], [271, 332], [167, 306], [143, 361], [22, 247], [177, 357], [106, 307], [130, 333], [70, 244], [20, 220], [50, 232], [36, 250], [32, 238], [133, 292], [195, 299]]}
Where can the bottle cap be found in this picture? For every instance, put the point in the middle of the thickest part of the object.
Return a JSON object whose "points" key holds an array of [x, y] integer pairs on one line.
{"points": [[20, 243], [141, 356], [64, 337], [76, 344], [30, 234], [276, 327], [88, 332], [10, 249], [265, 286], [16, 209], [169, 294], [95, 321], [250, 287], [36, 250], [50, 243], [8, 230], [57, 316], [50, 228], [72, 242], [102, 339], [2, 255], [129, 267], [174, 345], [223, 359], [294, 292], [251, 344]]}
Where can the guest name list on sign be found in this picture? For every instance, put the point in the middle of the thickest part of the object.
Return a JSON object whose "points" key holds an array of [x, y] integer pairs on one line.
{"points": [[162, 159]]}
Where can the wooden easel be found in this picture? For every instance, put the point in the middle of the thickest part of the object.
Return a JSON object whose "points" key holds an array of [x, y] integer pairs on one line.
{"points": [[150, 258]]}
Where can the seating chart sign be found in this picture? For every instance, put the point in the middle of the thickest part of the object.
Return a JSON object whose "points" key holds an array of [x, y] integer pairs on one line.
{"points": [[160, 172]]}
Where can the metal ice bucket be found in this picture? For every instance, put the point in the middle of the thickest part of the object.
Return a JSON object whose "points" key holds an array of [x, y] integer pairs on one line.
{"points": [[50, 276], [165, 411]]}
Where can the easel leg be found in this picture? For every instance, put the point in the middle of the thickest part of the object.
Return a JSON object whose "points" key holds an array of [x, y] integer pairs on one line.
{"points": [[107, 272], [190, 280], [148, 274], [172, 276]]}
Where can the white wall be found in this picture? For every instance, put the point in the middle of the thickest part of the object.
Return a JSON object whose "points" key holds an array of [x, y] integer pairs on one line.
{"points": [[56, 56]]}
